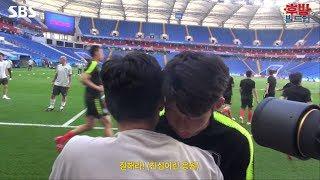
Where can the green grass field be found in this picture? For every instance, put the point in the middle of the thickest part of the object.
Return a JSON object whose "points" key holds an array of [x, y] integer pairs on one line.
{"points": [[28, 152]]}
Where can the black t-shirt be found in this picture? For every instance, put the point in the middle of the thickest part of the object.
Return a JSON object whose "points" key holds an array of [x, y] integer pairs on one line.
{"points": [[228, 91], [228, 146], [94, 71], [272, 84], [297, 93], [286, 86], [247, 85]]}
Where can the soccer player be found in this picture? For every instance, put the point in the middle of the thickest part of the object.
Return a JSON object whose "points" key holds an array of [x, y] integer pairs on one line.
{"points": [[271, 85], [93, 99], [226, 109], [296, 92], [9, 67], [30, 64], [4, 76], [247, 88], [80, 67], [134, 98], [61, 83], [193, 88]]}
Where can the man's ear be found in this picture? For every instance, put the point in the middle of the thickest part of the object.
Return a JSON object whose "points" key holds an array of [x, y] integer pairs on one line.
{"points": [[218, 104]]}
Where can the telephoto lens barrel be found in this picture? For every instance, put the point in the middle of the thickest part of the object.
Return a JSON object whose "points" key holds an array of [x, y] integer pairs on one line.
{"points": [[288, 126]]}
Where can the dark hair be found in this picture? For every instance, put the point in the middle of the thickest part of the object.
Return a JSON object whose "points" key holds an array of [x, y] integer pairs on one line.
{"points": [[271, 72], [195, 81], [93, 50], [249, 73], [1, 54], [133, 86], [295, 78]]}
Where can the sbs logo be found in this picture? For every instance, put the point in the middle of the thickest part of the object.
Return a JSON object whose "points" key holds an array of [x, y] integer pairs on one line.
{"points": [[21, 12]]}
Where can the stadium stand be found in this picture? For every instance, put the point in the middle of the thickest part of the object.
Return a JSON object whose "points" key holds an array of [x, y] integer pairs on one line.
{"points": [[152, 28], [246, 36], [223, 36], [128, 29], [199, 33], [85, 25], [4, 5], [290, 37], [238, 63], [105, 27], [176, 32]]}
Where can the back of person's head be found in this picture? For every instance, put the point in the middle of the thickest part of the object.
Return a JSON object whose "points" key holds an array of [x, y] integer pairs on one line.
{"points": [[95, 51], [1, 55], [195, 81], [295, 78], [271, 72], [249, 73], [133, 86]]}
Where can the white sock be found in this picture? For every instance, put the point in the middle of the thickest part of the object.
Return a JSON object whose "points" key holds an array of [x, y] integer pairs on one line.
{"points": [[63, 103], [52, 103]]}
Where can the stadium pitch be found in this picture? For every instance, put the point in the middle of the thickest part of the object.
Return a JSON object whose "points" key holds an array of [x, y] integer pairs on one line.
{"points": [[27, 149]]}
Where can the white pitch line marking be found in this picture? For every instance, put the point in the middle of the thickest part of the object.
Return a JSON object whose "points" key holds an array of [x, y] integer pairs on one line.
{"points": [[44, 125], [74, 118]]}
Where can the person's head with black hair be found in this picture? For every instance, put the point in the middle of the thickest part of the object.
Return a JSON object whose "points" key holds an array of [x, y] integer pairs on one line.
{"points": [[96, 53], [1, 56], [133, 85], [271, 72], [193, 88], [295, 78], [249, 74]]}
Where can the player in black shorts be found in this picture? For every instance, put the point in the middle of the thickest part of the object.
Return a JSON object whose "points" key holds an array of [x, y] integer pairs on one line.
{"points": [[4, 76], [247, 89], [93, 99], [271, 85], [295, 92], [61, 83], [226, 109]]}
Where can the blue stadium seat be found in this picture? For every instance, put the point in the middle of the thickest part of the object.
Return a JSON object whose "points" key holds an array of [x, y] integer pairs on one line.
{"points": [[309, 69], [291, 36], [104, 26], [152, 28], [199, 33], [85, 25], [223, 35], [246, 36], [128, 29], [268, 37], [176, 32], [313, 37], [236, 66]]}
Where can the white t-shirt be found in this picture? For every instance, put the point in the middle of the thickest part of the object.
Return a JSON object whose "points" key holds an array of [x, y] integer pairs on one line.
{"points": [[63, 73], [3, 67], [133, 154], [80, 65], [30, 62], [9, 64]]}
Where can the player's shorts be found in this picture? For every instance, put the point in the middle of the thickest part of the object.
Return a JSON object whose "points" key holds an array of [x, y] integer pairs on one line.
{"points": [[246, 102], [227, 99], [95, 106], [4, 81], [270, 94], [56, 90]]}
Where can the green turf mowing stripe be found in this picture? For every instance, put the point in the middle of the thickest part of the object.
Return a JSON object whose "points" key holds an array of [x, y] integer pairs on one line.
{"points": [[44, 125]]}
